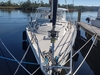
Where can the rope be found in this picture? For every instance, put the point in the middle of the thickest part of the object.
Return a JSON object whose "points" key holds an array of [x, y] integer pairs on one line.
{"points": [[64, 44], [35, 71], [23, 56], [68, 10], [71, 59], [9, 59], [60, 41], [64, 53], [36, 41], [38, 7], [81, 48], [64, 56], [14, 58], [26, 50], [32, 6], [6, 62], [70, 43], [85, 56], [22, 59]]}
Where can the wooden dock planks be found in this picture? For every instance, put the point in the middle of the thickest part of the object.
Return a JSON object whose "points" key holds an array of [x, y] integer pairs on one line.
{"points": [[93, 59], [90, 28]]}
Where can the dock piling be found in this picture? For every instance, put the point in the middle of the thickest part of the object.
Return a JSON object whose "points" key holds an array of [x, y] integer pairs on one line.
{"points": [[79, 15]]}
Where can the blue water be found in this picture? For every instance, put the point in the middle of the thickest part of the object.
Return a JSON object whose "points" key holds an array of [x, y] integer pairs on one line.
{"points": [[12, 24]]}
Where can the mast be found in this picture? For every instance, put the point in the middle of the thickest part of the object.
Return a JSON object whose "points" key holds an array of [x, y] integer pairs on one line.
{"points": [[53, 33], [55, 5]]}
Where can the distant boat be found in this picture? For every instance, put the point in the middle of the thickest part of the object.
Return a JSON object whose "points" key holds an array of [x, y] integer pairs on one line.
{"points": [[96, 21], [52, 38]]}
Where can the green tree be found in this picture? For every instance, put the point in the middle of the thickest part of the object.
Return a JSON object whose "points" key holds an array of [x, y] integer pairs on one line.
{"points": [[28, 3], [9, 3]]}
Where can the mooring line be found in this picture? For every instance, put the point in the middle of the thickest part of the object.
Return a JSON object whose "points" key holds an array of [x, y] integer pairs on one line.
{"points": [[9, 59], [81, 48], [14, 57], [85, 56]]}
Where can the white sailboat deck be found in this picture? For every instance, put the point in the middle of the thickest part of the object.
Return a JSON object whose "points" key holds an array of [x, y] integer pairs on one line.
{"points": [[61, 44], [51, 43]]}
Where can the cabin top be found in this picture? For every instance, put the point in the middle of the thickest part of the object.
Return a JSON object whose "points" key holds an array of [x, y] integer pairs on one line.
{"points": [[44, 13], [48, 9]]}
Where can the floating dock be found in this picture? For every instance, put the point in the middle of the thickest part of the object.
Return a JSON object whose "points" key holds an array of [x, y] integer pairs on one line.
{"points": [[93, 58], [90, 28]]}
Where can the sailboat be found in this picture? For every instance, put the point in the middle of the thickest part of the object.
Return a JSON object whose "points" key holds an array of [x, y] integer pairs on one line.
{"points": [[52, 38]]}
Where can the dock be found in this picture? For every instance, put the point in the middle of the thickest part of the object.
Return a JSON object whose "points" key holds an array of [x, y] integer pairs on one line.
{"points": [[93, 58], [90, 29]]}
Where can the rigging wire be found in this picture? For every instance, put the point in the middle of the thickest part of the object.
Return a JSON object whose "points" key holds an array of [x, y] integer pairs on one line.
{"points": [[81, 47], [70, 19], [88, 51], [23, 56], [35, 70], [84, 44], [6, 61], [32, 6], [14, 57], [68, 11], [85, 56], [73, 10], [38, 7], [64, 44], [70, 43], [9, 59]]}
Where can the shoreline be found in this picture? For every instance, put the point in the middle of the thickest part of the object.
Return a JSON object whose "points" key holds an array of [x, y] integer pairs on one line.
{"points": [[30, 9]]}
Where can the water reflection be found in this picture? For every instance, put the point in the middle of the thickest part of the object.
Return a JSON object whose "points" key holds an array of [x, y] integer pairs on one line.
{"points": [[31, 58], [92, 59], [7, 11], [13, 23]]}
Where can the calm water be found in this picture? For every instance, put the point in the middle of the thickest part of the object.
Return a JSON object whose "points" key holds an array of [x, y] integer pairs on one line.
{"points": [[12, 24]]}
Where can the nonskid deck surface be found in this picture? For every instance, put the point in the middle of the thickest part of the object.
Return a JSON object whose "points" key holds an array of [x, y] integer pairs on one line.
{"points": [[65, 36]]}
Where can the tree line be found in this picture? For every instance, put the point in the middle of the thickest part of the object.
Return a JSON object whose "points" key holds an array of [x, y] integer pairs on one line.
{"points": [[28, 5]]}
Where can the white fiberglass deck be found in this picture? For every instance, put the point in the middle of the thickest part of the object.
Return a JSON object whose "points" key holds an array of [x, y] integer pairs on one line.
{"points": [[65, 38]]}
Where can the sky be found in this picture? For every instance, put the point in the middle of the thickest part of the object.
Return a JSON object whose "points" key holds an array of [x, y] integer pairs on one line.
{"points": [[76, 2]]}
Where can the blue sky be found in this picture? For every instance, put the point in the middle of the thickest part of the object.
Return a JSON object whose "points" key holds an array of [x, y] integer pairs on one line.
{"points": [[76, 2]]}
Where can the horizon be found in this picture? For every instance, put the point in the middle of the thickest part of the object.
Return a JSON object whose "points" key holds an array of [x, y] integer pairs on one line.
{"points": [[75, 2]]}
